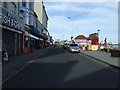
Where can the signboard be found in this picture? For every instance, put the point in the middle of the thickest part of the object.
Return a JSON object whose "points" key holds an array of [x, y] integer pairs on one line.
{"points": [[11, 20], [50, 37], [27, 34], [80, 40]]}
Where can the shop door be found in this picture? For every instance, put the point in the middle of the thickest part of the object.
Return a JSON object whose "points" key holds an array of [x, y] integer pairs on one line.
{"points": [[17, 43], [8, 38]]}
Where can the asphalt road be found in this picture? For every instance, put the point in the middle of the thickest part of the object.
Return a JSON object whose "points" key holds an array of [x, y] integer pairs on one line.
{"points": [[60, 69]]}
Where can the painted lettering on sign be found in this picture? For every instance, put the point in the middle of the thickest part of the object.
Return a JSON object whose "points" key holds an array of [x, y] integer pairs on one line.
{"points": [[11, 20]]}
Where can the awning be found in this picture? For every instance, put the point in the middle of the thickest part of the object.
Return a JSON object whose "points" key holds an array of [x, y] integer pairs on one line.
{"points": [[45, 36], [32, 36], [36, 32]]}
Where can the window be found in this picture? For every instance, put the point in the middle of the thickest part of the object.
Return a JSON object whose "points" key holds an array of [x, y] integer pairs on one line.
{"points": [[0, 3], [31, 5], [29, 20], [5, 4], [24, 4], [13, 8], [23, 13]]}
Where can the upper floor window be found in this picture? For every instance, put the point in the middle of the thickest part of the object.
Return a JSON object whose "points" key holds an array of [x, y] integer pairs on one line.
{"points": [[31, 5], [5, 4], [13, 8], [24, 4], [0, 2]]}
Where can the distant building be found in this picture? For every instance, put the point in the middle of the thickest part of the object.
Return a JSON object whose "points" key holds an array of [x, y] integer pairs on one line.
{"points": [[94, 38], [81, 39], [39, 8]]}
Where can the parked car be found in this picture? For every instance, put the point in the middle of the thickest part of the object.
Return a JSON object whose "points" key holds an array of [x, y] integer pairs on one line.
{"points": [[65, 45], [3, 52], [73, 47], [115, 51], [106, 48]]}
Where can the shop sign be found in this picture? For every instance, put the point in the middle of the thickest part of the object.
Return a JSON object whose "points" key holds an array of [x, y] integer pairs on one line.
{"points": [[11, 20]]}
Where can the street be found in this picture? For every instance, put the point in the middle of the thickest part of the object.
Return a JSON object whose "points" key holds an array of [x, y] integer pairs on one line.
{"points": [[58, 68]]}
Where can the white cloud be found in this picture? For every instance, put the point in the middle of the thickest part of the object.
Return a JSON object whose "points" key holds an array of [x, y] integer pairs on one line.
{"points": [[66, 7], [96, 18], [80, 0]]}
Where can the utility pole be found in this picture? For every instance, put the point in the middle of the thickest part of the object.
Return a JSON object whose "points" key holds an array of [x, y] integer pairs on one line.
{"points": [[98, 36], [71, 29]]}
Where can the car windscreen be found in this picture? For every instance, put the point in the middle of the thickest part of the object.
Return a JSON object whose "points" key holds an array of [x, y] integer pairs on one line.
{"points": [[65, 44], [73, 45]]}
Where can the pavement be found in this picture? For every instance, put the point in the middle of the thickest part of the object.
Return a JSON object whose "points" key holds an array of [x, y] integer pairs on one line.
{"points": [[18, 61], [103, 57]]}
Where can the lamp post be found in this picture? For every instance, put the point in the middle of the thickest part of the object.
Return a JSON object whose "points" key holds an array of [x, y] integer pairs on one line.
{"points": [[72, 29], [98, 35], [98, 32]]}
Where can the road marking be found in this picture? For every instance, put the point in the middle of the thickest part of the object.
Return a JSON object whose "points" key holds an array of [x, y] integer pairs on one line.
{"points": [[16, 71], [31, 61]]}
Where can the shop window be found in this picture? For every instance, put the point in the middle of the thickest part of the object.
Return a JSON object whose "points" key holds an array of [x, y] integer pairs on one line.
{"points": [[5, 5], [24, 4], [31, 5]]}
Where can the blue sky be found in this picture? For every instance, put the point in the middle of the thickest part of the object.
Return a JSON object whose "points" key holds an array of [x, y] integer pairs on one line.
{"points": [[85, 18]]}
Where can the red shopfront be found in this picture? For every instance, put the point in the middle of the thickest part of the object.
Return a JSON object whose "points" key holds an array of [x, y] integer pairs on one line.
{"points": [[45, 39], [25, 40], [94, 38]]}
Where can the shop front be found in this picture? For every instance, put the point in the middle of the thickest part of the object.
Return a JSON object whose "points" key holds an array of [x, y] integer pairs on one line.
{"points": [[12, 28], [36, 37], [45, 40], [26, 40]]}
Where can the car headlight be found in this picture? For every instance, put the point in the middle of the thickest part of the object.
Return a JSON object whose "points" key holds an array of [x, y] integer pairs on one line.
{"points": [[72, 49]]}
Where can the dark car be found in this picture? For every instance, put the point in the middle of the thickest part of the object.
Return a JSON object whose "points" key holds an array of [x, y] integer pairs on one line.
{"points": [[105, 49], [115, 51], [65, 45]]}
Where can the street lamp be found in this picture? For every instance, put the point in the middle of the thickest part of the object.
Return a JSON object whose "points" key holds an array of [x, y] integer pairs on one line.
{"points": [[72, 29], [98, 32], [98, 35]]}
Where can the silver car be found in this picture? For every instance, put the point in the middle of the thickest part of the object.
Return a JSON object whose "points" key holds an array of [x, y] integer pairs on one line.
{"points": [[73, 47]]}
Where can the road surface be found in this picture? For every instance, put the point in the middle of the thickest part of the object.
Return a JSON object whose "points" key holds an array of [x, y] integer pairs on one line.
{"points": [[58, 68]]}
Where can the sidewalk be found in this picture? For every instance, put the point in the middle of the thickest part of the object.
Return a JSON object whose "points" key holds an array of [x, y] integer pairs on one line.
{"points": [[103, 56], [17, 61]]}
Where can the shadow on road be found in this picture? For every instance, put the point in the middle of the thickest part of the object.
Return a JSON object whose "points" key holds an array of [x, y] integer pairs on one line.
{"points": [[19, 60], [50, 72], [53, 75], [40, 75], [98, 79]]}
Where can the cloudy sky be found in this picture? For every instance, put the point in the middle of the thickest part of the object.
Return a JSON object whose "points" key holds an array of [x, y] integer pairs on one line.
{"points": [[84, 18]]}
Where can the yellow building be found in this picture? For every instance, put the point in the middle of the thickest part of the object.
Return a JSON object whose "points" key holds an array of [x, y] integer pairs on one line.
{"points": [[39, 9]]}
